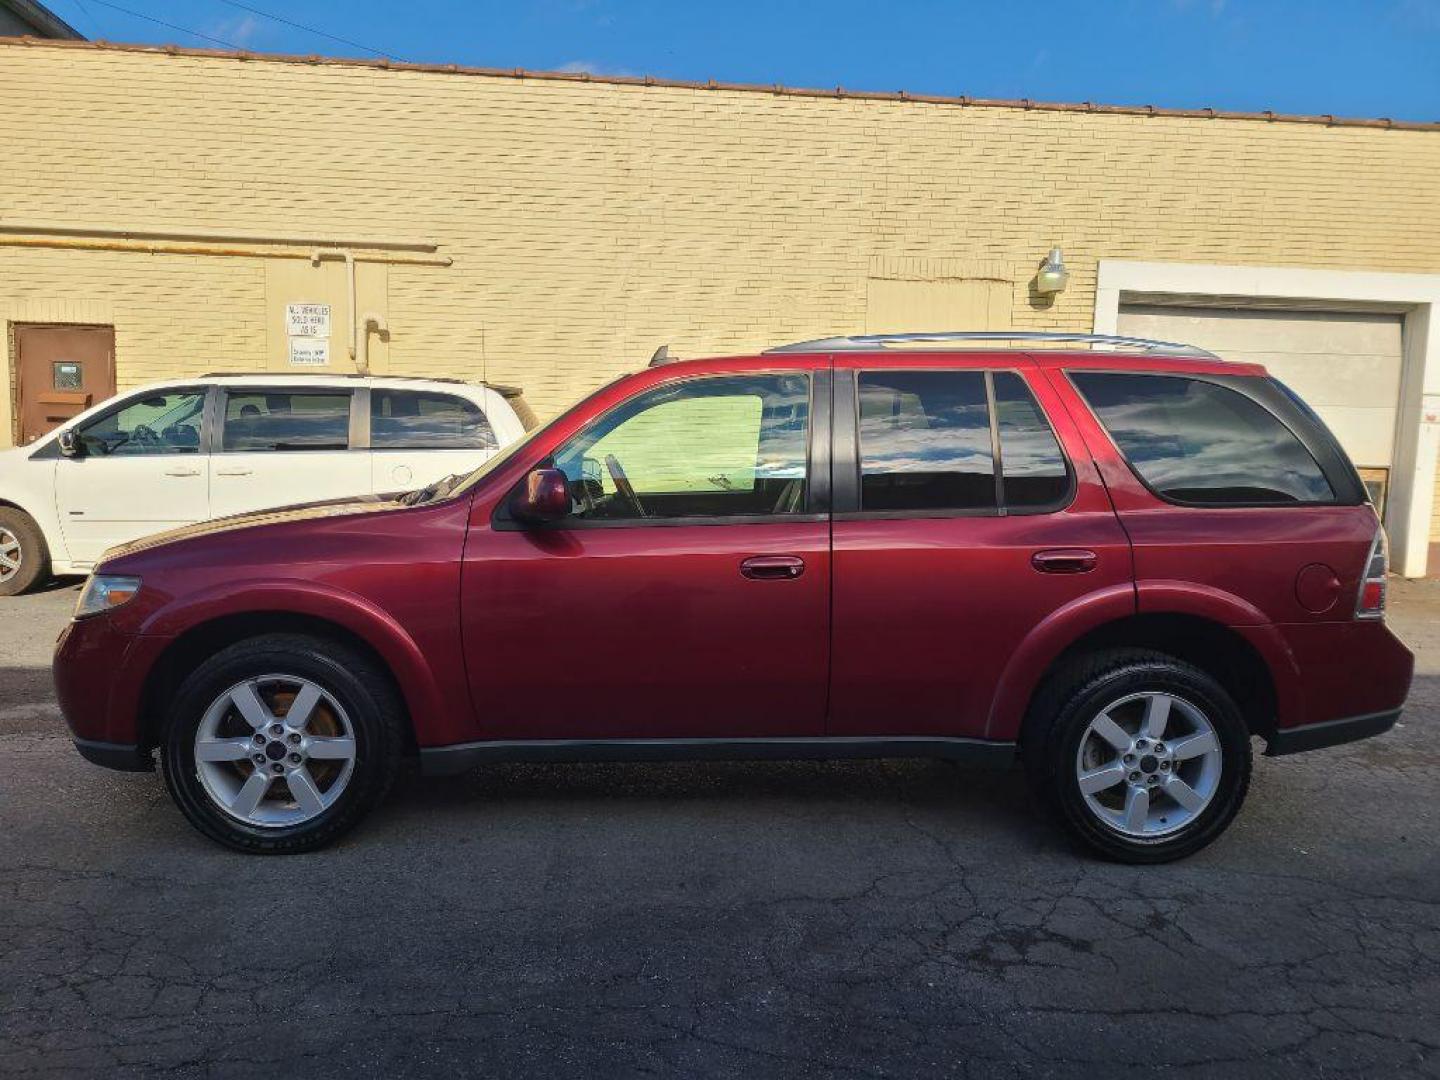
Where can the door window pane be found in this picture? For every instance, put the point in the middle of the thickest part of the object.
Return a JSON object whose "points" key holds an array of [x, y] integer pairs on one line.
{"points": [[414, 420], [1030, 459], [719, 447], [1199, 442], [286, 420], [163, 423], [925, 441]]}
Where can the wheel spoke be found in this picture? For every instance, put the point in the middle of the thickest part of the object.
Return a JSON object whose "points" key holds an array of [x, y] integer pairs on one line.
{"points": [[9, 564], [247, 799], [247, 701], [1193, 746], [1183, 794], [306, 794], [1157, 715], [303, 706], [1111, 732], [1137, 808], [1100, 779], [330, 748], [222, 750]]}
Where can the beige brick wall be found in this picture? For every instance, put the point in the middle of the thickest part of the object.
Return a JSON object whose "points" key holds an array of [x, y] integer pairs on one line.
{"points": [[590, 223]]}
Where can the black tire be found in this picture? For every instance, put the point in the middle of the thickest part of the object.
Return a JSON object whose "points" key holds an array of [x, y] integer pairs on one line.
{"points": [[1061, 714], [34, 554], [357, 683]]}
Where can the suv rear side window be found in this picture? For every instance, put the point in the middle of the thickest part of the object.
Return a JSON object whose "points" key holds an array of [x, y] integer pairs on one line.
{"points": [[418, 420], [1034, 469], [286, 420], [925, 441], [1194, 441]]}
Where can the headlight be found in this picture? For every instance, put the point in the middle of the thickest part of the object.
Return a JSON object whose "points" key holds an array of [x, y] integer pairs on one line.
{"points": [[103, 592]]}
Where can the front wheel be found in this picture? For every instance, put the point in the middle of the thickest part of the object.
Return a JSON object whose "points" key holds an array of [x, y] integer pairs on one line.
{"points": [[24, 558], [1145, 758], [280, 744]]}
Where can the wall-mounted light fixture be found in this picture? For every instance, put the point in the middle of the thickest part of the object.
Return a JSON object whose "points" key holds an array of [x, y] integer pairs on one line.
{"points": [[1052, 277]]}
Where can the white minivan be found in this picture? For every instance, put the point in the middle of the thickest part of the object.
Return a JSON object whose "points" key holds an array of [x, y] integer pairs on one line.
{"points": [[174, 453]]}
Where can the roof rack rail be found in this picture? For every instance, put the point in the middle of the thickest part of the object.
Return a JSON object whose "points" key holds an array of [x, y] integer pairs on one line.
{"points": [[880, 341], [503, 389]]}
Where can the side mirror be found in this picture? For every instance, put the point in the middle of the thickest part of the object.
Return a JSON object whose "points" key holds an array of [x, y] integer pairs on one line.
{"points": [[68, 443], [543, 497]]}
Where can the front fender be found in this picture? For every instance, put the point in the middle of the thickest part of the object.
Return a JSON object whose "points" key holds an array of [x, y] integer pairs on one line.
{"points": [[425, 694]]}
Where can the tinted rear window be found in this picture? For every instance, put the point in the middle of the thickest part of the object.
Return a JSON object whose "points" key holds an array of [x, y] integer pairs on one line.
{"points": [[284, 420], [424, 420], [925, 441], [1030, 459], [1195, 441]]}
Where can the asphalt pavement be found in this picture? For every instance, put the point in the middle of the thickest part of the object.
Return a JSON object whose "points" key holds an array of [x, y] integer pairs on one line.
{"points": [[906, 919]]}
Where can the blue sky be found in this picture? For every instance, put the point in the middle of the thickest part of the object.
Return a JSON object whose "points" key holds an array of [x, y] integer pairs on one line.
{"points": [[1348, 57]]}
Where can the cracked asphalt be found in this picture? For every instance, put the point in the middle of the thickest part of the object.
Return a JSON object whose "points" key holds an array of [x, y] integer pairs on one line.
{"points": [[711, 920]]}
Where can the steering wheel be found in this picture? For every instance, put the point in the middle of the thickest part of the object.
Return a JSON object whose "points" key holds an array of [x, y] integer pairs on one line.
{"points": [[623, 485]]}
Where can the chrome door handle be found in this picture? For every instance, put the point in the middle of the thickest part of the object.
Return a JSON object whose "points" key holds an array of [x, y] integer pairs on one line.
{"points": [[772, 567], [182, 472], [1064, 561], [234, 472]]}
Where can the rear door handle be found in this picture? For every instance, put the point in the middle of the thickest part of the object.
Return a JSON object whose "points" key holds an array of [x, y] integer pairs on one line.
{"points": [[1064, 561], [772, 567], [234, 472], [182, 472]]}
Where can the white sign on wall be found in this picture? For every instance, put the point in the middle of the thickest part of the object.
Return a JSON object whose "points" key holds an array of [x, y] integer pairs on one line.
{"points": [[307, 320], [309, 351]]}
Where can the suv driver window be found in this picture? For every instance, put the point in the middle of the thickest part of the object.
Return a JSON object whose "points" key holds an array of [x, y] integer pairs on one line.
{"points": [[167, 423], [718, 447]]}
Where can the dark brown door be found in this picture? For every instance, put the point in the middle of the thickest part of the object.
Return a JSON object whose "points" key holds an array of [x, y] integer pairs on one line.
{"points": [[63, 371]]}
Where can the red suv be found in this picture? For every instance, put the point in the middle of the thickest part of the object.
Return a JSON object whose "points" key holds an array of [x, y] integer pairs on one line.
{"points": [[1114, 566]]}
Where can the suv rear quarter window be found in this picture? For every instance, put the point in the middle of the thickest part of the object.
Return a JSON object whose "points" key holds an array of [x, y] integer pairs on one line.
{"points": [[1198, 442], [426, 420]]}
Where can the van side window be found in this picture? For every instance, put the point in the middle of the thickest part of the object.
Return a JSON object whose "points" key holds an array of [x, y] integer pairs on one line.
{"points": [[167, 422], [1193, 441], [1031, 462], [925, 441], [424, 420], [282, 420]]}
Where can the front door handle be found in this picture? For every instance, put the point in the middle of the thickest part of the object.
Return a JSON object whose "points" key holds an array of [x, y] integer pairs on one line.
{"points": [[772, 567], [234, 472], [1064, 561], [182, 472]]}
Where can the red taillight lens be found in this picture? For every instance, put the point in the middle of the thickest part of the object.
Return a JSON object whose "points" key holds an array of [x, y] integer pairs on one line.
{"points": [[1371, 602]]}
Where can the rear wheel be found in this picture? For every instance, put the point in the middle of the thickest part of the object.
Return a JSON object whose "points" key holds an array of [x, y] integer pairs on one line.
{"points": [[24, 558], [1144, 758], [282, 743]]}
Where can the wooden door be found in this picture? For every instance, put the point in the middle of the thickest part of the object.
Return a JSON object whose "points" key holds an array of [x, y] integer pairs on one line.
{"points": [[63, 370]]}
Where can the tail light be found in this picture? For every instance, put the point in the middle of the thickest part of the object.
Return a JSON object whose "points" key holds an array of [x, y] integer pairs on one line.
{"points": [[1371, 602]]}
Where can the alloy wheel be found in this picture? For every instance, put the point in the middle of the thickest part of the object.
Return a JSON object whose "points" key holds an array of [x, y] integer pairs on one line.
{"points": [[1148, 765], [12, 557], [275, 751]]}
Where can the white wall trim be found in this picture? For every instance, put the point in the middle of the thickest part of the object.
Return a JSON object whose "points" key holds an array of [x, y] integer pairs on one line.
{"points": [[1412, 487]]}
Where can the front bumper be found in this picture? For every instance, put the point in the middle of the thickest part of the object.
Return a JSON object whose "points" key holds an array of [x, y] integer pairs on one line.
{"points": [[1330, 733]]}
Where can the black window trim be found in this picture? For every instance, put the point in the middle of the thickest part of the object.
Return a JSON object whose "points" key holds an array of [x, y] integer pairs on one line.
{"points": [[1327, 455], [817, 464], [846, 464], [354, 434], [365, 421]]}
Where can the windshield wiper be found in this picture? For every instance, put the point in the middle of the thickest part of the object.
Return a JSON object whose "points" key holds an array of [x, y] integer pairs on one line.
{"points": [[432, 491]]}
